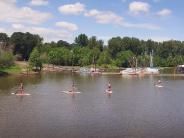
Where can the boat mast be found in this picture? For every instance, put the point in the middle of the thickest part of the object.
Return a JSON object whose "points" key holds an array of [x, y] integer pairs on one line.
{"points": [[151, 59]]}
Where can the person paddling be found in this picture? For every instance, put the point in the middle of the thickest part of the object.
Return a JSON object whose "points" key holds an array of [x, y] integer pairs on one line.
{"points": [[159, 82], [21, 89], [73, 88], [109, 87]]}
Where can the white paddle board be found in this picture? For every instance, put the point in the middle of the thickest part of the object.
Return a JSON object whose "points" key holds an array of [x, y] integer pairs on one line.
{"points": [[69, 92], [108, 91], [159, 86], [21, 94]]}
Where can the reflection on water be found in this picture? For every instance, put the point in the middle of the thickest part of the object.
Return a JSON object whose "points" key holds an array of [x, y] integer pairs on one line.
{"points": [[136, 109]]}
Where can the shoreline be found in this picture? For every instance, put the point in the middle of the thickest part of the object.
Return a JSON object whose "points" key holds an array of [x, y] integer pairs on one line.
{"points": [[21, 68]]}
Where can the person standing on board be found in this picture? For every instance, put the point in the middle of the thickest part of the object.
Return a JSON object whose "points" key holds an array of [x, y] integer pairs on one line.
{"points": [[73, 88], [21, 88], [109, 87], [159, 82]]}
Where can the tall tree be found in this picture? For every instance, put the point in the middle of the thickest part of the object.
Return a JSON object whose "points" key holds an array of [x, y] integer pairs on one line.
{"points": [[4, 40], [81, 40], [62, 43], [35, 60], [115, 46], [24, 43]]}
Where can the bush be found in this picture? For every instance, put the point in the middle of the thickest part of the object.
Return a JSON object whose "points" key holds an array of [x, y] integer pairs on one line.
{"points": [[6, 59]]}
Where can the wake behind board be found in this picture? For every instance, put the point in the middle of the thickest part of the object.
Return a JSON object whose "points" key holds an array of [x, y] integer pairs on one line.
{"points": [[69, 92], [108, 91], [21, 94]]}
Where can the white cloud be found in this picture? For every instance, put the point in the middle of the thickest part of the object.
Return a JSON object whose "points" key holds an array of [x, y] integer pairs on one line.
{"points": [[17, 26], [39, 2], [142, 26], [137, 7], [104, 17], [48, 34], [72, 9], [160, 38], [11, 13], [164, 12], [108, 17], [68, 26]]}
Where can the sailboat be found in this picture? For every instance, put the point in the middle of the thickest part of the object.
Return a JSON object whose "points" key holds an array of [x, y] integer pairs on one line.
{"points": [[95, 70], [151, 69], [132, 71]]}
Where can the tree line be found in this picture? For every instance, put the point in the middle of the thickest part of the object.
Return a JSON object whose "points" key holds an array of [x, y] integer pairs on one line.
{"points": [[84, 51]]}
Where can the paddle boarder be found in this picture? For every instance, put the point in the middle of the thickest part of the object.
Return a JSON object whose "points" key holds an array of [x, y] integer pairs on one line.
{"points": [[21, 89], [159, 82], [73, 88], [109, 87]]}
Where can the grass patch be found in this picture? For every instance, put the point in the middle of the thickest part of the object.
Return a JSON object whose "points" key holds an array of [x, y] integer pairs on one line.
{"points": [[11, 70]]}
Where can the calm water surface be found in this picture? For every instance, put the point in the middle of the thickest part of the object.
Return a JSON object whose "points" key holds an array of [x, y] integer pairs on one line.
{"points": [[136, 109]]}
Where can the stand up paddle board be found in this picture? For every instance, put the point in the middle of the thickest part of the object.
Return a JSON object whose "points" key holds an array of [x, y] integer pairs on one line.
{"points": [[159, 86], [69, 92], [108, 91], [21, 94]]}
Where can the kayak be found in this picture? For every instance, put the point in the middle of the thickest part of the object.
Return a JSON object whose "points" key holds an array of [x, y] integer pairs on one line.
{"points": [[21, 94]]}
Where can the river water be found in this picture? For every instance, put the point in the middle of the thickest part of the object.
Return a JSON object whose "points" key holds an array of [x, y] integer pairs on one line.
{"points": [[136, 109]]}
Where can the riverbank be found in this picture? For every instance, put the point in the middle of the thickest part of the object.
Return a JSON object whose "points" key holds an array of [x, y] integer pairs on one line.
{"points": [[10, 70], [22, 68], [19, 68]]}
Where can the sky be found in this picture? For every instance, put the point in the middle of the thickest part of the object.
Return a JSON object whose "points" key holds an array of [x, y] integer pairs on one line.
{"points": [[55, 20]]}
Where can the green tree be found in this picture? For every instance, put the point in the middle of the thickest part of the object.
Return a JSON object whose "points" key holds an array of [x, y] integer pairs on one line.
{"points": [[4, 40], [81, 40], [24, 43], [115, 46], [123, 59], [105, 58], [6, 59], [62, 43], [35, 60]]}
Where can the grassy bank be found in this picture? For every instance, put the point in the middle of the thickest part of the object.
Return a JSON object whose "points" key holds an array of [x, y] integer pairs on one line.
{"points": [[10, 70]]}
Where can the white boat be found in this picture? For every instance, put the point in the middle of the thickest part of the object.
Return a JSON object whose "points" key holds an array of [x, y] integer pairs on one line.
{"points": [[150, 70], [141, 71], [90, 71], [84, 70], [131, 71], [95, 71]]}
